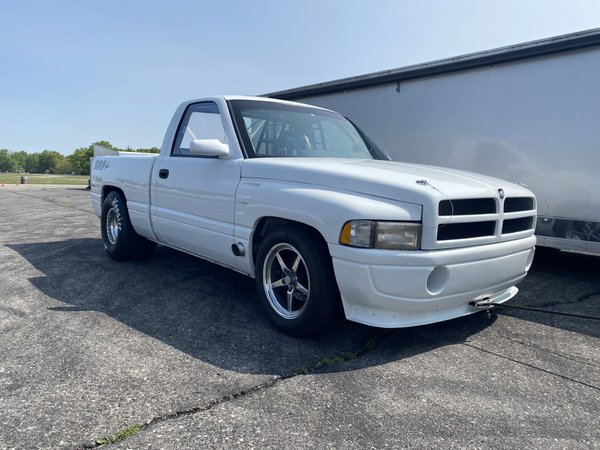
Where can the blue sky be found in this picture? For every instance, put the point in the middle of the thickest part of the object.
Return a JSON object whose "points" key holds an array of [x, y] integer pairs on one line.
{"points": [[74, 72]]}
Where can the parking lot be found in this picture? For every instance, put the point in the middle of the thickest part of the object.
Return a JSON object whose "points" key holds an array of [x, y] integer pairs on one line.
{"points": [[175, 352]]}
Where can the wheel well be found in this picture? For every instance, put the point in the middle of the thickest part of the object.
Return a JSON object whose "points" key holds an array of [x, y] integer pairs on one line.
{"points": [[267, 225], [108, 189]]}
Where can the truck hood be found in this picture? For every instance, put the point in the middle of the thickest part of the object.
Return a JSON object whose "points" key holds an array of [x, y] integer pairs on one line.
{"points": [[396, 181]]}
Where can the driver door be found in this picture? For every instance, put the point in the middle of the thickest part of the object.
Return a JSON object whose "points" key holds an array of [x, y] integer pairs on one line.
{"points": [[193, 208]]}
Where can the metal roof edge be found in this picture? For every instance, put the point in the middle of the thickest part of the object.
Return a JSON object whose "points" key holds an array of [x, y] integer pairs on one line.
{"points": [[557, 44]]}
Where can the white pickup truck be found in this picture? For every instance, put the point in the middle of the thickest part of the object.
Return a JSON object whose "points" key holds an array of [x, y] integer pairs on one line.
{"points": [[300, 199]]}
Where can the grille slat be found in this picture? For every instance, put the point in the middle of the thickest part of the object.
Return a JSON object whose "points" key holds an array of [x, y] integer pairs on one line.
{"points": [[515, 204], [516, 225], [467, 207], [467, 230], [482, 227]]}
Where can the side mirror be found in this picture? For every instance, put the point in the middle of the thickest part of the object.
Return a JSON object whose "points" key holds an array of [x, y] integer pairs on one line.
{"points": [[209, 147]]}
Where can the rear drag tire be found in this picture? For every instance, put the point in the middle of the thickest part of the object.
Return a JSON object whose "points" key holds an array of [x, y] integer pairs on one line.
{"points": [[120, 240]]}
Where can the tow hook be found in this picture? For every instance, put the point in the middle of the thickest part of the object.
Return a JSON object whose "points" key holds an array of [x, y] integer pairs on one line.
{"points": [[483, 303]]}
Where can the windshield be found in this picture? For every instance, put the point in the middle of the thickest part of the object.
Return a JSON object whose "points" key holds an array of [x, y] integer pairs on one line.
{"points": [[276, 129]]}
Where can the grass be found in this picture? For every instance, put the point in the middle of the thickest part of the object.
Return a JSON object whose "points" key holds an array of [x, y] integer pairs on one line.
{"points": [[348, 356], [37, 178], [134, 429], [120, 436]]}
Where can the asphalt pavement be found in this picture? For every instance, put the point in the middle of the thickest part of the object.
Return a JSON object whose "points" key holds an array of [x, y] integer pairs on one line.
{"points": [[175, 352]]}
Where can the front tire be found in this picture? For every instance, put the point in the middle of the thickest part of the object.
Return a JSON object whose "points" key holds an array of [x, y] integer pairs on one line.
{"points": [[120, 240], [295, 281]]}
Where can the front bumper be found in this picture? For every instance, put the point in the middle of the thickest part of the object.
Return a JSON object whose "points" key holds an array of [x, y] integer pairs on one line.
{"points": [[394, 289]]}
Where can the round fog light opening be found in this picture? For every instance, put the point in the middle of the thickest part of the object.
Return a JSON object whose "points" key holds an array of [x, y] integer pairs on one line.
{"points": [[436, 282]]}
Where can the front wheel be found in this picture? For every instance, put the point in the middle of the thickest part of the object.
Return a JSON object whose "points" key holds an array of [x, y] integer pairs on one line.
{"points": [[295, 281], [118, 236]]}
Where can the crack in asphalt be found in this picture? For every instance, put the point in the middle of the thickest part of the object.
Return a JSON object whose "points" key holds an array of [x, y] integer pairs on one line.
{"points": [[579, 299], [564, 377], [119, 436], [579, 358], [331, 361], [587, 296]]}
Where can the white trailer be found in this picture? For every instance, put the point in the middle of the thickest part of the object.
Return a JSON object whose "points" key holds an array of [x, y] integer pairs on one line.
{"points": [[528, 113]]}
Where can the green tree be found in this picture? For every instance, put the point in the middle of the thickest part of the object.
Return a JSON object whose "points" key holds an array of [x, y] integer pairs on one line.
{"points": [[32, 162], [48, 161], [20, 161], [105, 144], [6, 161], [64, 166], [80, 160], [54, 162]]}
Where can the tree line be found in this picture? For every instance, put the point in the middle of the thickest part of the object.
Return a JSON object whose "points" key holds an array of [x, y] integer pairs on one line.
{"points": [[50, 161]]}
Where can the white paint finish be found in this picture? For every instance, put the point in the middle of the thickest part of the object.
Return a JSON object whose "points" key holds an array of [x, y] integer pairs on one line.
{"points": [[392, 291], [207, 204], [473, 276], [139, 213], [96, 199], [431, 258], [130, 174], [385, 180], [193, 208], [398, 317], [323, 208], [379, 178], [533, 121]]}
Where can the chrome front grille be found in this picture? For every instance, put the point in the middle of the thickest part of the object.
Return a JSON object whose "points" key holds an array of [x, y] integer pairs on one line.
{"points": [[464, 222]]}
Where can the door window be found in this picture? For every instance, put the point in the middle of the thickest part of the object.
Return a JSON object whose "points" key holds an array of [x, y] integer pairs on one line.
{"points": [[200, 121]]}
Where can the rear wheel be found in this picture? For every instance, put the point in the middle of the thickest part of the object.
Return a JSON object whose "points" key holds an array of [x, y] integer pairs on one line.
{"points": [[118, 236], [295, 281]]}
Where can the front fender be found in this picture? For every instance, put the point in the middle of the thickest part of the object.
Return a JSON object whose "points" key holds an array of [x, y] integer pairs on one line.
{"points": [[322, 208]]}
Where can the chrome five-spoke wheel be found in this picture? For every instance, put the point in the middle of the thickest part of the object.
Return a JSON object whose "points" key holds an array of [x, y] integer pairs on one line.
{"points": [[295, 280], [286, 281]]}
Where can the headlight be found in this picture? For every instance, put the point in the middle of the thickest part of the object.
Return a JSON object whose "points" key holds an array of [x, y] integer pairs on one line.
{"points": [[387, 235]]}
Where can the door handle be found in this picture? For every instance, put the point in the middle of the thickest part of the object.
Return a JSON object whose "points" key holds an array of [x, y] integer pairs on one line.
{"points": [[163, 173]]}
